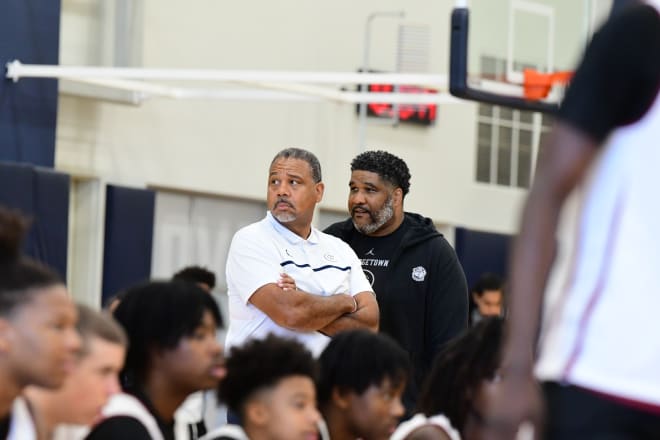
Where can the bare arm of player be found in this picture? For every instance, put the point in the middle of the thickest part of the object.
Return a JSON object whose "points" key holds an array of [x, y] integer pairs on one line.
{"points": [[562, 165]]}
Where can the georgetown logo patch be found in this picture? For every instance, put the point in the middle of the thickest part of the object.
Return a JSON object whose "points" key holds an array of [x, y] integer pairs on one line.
{"points": [[370, 276], [418, 273]]}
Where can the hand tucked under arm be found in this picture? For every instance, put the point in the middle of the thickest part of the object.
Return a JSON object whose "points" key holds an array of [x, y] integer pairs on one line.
{"points": [[286, 282], [366, 316]]}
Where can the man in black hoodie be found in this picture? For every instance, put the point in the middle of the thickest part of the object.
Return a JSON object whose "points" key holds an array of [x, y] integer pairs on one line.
{"points": [[419, 283]]}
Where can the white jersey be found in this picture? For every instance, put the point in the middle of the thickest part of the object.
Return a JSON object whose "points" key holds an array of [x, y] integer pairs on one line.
{"points": [[601, 312], [125, 405], [22, 424]]}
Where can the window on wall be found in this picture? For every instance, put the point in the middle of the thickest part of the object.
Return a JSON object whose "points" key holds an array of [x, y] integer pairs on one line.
{"points": [[507, 140]]}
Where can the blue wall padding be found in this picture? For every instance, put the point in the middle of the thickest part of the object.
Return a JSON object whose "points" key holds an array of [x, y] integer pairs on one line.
{"points": [[17, 187], [481, 252], [29, 32], [129, 227], [42, 195], [51, 194]]}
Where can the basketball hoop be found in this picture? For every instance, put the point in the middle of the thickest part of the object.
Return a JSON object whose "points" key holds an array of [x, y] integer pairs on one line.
{"points": [[527, 91], [537, 85]]}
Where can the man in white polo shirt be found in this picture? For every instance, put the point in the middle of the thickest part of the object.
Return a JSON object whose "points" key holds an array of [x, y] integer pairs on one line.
{"points": [[288, 278]]}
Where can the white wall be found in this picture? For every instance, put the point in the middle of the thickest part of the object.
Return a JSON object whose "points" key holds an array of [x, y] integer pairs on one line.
{"points": [[224, 148]]}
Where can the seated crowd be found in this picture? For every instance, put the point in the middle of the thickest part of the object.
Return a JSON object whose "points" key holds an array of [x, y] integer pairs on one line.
{"points": [[70, 372]]}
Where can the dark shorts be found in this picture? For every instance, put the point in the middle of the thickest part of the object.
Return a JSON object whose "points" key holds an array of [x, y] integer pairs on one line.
{"points": [[574, 413]]}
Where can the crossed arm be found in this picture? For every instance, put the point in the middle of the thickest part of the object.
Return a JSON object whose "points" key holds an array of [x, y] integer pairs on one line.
{"points": [[365, 316], [303, 311]]}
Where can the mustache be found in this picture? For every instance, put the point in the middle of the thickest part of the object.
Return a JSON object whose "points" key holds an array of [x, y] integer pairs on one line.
{"points": [[364, 208], [282, 200]]}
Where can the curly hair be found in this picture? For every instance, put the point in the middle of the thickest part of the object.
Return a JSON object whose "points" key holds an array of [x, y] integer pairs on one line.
{"points": [[460, 369], [389, 167], [260, 364], [354, 360], [487, 281], [196, 274]]}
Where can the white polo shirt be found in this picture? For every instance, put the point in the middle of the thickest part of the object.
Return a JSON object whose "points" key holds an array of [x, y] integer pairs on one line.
{"points": [[322, 264]]}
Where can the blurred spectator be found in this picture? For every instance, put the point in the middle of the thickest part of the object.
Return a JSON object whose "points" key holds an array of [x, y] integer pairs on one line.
{"points": [[38, 338], [270, 385], [465, 366], [203, 277], [363, 375], [173, 352], [488, 297], [91, 383]]}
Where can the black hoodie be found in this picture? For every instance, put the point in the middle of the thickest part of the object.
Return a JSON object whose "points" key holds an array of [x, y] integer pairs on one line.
{"points": [[423, 298]]}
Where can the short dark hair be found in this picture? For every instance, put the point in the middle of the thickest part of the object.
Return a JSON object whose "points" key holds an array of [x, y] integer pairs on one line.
{"points": [[93, 324], [389, 167], [21, 278], [459, 370], [354, 360], [487, 281], [155, 316], [196, 274], [307, 156], [262, 363]]}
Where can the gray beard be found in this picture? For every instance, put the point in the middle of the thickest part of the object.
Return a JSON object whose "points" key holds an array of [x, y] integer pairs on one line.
{"points": [[379, 218], [285, 217]]}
